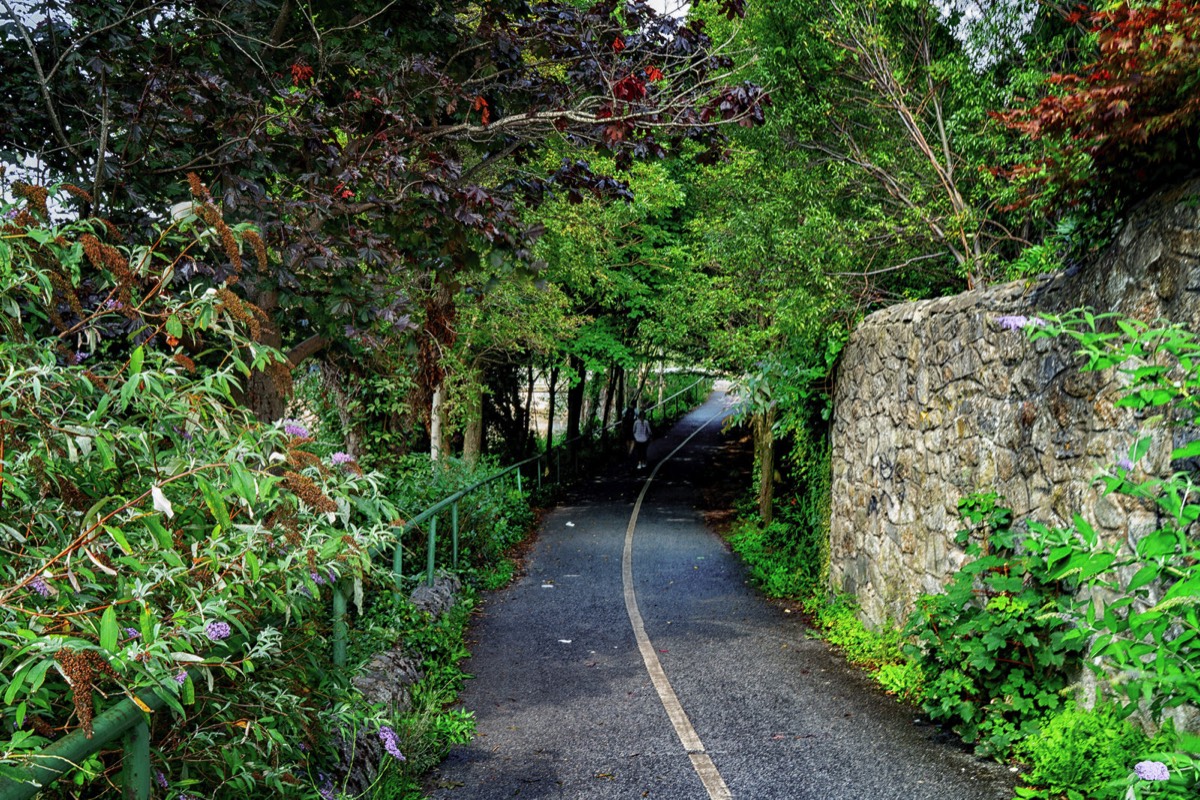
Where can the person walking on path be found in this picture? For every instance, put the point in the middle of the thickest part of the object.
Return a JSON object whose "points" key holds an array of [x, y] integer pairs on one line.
{"points": [[627, 421], [641, 438]]}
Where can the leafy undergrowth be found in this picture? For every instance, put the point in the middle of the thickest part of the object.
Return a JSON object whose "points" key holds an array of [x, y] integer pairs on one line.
{"points": [[425, 732]]}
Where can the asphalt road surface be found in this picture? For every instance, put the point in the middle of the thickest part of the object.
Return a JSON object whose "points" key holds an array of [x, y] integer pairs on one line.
{"points": [[633, 660]]}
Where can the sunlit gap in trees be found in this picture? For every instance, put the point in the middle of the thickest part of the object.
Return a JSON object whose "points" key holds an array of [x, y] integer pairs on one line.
{"points": [[988, 28], [673, 8]]}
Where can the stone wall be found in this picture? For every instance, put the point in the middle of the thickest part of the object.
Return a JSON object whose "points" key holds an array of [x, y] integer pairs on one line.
{"points": [[934, 400]]}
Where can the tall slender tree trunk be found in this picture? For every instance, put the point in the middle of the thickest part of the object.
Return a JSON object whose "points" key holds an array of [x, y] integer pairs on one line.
{"points": [[642, 375], [550, 410], [575, 394], [437, 443], [438, 337], [662, 380], [473, 432], [331, 382], [267, 391], [609, 391], [587, 407], [620, 380], [527, 431], [764, 453]]}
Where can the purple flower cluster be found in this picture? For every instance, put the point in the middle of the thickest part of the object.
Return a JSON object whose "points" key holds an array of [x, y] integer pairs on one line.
{"points": [[391, 742], [1013, 322], [132, 633], [40, 586], [216, 631], [1125, 464], [341, 458], [295, 429], [160, 779], [181, 677], [1152, 771], [326, 791], [79, 357]]}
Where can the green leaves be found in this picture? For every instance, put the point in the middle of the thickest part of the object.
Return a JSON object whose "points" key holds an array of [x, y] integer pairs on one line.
{"points": [[991, 647], [108, 630], [143, 499]]}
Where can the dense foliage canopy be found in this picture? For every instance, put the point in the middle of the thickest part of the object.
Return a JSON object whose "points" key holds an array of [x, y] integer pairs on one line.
{"points": [[399, 221]]}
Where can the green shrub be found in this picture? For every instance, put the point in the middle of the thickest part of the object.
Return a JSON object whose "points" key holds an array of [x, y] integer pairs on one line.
{"points": [[837, 618], [1082, 755], [775, 565], [993, 647], [904, 680], [159, 538]]}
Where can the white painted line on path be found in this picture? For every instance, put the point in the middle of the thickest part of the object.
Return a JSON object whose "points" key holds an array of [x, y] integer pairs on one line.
{"points": [[701, 762]]}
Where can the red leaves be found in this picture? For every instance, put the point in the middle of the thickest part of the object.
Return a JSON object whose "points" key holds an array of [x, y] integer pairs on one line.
{"points": [[630, 88], [341, 192], [300, 73], [654, 74], [480, 104], [1132, 105], [618, 44]]}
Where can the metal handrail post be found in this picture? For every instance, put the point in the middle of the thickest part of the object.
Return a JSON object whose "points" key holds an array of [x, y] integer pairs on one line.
{"points": [[340, 628], [62, 756], [432, 546], [135, 777], [454, 531]]}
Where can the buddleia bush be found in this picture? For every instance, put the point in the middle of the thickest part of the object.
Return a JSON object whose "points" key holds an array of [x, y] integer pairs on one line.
{"points": [[157, 540]]}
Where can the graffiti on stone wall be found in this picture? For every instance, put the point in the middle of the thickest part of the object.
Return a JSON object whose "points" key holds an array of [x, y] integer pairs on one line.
{"points": [[890, 473]]}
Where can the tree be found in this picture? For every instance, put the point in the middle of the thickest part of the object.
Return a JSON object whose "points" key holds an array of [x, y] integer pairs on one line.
{"points": [[383, 147], [1127, 117]]}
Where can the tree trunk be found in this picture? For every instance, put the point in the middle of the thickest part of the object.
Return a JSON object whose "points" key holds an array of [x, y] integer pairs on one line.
{"points": [[610, 390], [642, 375], [662, 381], [438, 337], [550, 410], [591, 402], [527, 431], [620, 379], [436, 444], [473, 434], [331, 382], [764, 455], [575, 395], [268, 391]]}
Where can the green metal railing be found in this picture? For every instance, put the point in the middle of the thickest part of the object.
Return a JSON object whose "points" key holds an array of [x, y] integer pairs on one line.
{"points": [[129, 718]]}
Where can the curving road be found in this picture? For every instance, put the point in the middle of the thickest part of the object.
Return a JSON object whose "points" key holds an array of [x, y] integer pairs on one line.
{"points": [[633, 660]]}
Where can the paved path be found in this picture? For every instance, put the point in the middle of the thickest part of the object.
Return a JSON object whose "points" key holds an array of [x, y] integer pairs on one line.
{"points": [[565, 699]]}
